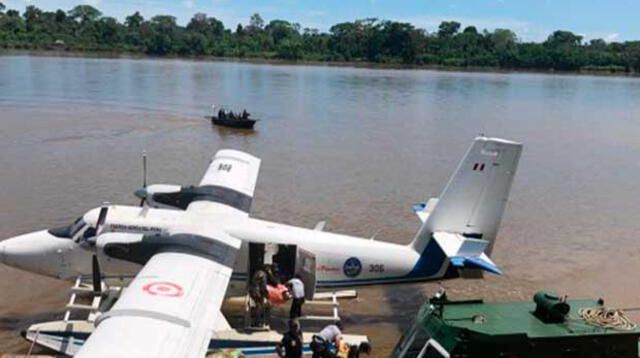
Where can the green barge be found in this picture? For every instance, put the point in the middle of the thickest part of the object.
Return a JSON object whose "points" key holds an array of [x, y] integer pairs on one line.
{"points": [[549, 326]]}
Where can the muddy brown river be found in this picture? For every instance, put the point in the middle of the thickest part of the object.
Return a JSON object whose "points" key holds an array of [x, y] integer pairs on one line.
{"points": [[355, 147]]}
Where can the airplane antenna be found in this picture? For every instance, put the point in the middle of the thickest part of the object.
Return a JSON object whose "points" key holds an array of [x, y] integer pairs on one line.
{"points": [[144, 169]]}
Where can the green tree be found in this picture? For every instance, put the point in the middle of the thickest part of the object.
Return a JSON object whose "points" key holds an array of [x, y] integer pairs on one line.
{"points": [[163, 39], [448, 29], [134, 20], [563, 39], [256, 24], [84, 13], [207, 26], [290, 49], [280, 29]]}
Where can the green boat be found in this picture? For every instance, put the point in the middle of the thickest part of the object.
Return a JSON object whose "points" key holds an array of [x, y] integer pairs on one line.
{"points": [[550, 326]]}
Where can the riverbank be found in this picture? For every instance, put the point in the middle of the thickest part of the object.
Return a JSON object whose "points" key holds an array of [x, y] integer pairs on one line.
{"points": [[277, 61]]}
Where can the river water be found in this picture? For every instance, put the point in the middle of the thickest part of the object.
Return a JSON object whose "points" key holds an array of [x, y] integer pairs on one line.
{"points": [[355, 147]]}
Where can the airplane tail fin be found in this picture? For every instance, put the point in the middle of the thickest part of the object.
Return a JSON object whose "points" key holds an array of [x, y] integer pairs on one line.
{"points": [[465, 219]]}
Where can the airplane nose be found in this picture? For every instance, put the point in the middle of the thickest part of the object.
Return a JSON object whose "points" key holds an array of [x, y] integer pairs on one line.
{"points": [[27, 250], [2, 248], [16, 250]]}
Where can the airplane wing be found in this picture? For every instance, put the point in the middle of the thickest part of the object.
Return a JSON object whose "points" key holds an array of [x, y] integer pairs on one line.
{"points": [[171, 308], [228, 184]]}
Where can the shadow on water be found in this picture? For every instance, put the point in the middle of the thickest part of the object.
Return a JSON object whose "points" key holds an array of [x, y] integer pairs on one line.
{"points": [[234, 132], [404, 302], [22, 322]]}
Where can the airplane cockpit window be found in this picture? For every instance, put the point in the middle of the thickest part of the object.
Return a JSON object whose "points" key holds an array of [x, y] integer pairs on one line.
{"points": [[69, 231], [90, 232]]}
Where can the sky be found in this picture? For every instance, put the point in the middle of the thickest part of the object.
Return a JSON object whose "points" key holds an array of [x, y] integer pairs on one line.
{"points": [[532, 20]]}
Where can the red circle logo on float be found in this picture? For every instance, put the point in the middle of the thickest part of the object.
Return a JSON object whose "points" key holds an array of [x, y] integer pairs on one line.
{"points": [[163, 289]]}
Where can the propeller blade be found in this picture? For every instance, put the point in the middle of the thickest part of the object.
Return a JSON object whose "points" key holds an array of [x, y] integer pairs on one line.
{"points": [[97, 276], [144, 176], [144, 169], [101, 218]]}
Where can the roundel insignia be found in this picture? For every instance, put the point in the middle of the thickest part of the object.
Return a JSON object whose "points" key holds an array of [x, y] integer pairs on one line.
{"points": [[163, 289], [352, 267]]}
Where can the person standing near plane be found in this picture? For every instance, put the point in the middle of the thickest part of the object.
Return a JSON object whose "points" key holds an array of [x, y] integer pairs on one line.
{"points": [[321, 343], [296, 287], [291, 342]]}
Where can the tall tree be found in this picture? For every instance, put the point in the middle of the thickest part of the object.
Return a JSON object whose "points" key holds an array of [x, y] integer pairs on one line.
{"points": [[256, 23], [134, 20], [448, 29], [84, 13]]}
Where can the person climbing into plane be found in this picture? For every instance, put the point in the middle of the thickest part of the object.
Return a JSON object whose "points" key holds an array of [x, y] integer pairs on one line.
{"points": [[258, 293], [321, 343], [291, 342], [296, 289], [273, 274]]}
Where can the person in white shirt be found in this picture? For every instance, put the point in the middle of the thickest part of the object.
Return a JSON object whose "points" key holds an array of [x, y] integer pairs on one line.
{"points": [[321, 343], [296, 287]]}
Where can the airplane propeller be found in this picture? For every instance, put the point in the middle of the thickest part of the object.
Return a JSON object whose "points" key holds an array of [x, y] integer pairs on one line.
{"points": [[142, 193], [96, 276], [102, 217], [90, 242]]}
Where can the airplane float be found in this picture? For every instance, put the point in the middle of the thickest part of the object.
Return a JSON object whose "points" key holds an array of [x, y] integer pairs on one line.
{"points": [[185, 247]]}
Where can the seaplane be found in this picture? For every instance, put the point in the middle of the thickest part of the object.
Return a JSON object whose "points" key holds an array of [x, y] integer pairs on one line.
{"points": [[187, 247]]}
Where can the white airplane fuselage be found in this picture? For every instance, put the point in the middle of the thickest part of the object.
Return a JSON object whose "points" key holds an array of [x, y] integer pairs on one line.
{"points": [[64, 258]]}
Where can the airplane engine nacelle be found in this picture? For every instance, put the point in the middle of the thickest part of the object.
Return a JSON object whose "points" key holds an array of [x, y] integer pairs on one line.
{"points": [[112, 250], [155, 195]]}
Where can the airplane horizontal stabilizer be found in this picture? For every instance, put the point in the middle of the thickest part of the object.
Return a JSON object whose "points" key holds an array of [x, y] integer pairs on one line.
{"points": [[466, 252], [424, 209]]}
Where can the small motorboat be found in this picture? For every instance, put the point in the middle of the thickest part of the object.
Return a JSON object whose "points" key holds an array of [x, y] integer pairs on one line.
{"points": [[232, 119]]}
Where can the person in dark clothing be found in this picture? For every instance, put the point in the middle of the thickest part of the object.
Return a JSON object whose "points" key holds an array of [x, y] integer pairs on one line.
{"points": [[321, 343], [273, 274], [258, 294], [245, 114], [291, 342]]}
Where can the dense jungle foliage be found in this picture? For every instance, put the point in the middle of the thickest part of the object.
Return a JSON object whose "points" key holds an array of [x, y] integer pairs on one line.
{"points": [[84, 28]]}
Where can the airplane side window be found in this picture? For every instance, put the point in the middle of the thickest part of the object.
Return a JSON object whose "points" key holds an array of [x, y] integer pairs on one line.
{"points": [[90, 232], [76, 227]]}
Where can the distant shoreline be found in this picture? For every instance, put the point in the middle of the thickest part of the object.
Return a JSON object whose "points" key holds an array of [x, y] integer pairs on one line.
{"points": [[276, 61]]}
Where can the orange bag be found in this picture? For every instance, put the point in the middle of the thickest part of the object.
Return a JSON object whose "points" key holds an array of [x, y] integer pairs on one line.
{"points": [[277, 294]]}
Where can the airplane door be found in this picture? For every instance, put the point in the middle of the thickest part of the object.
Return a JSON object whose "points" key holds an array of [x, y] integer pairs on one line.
{"points": [[256, 259], [306, 268]]}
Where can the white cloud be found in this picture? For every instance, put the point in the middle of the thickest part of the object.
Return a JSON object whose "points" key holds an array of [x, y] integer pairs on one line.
{"points": [[188, 4], [612, 37]]}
